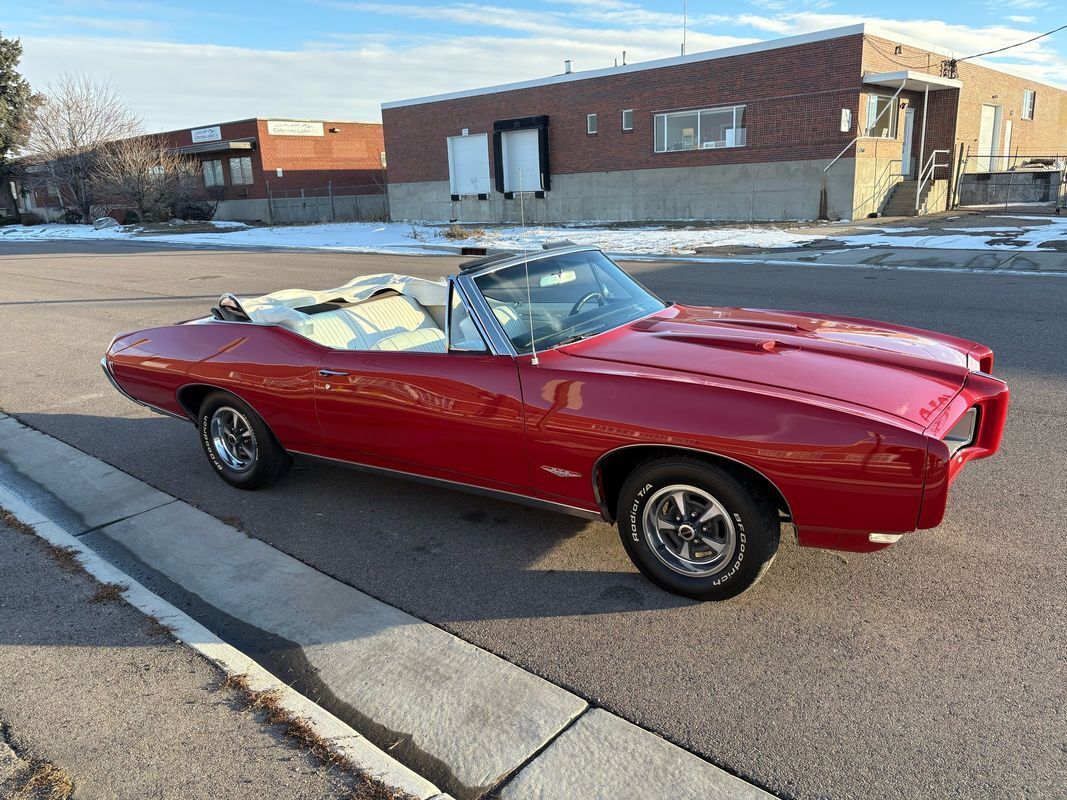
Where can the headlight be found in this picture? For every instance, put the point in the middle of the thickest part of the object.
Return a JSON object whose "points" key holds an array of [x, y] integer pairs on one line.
{"points": [[962, 433]]}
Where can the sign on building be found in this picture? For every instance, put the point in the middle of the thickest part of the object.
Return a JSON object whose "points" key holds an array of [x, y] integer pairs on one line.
{"points": [[212, 134], [289, 127]]}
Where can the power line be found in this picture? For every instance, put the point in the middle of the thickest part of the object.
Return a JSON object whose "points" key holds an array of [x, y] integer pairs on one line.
{"points": [[1010, 46]]}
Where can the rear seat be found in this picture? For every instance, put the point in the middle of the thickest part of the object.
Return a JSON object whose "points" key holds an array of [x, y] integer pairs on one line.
{"points": [[375, 325]]}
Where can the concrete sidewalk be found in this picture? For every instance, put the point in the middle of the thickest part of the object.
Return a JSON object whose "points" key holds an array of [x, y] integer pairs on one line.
{"points": [[96, 701], [463, 718]]}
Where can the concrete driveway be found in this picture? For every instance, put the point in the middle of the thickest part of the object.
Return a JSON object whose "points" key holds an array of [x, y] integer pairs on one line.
{"points": [[934, 668]]}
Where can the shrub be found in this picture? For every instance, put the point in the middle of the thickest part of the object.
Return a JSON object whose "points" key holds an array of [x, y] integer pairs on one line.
{"points": [[29, 218], [199, 212], [459, 232], [130, 218]]}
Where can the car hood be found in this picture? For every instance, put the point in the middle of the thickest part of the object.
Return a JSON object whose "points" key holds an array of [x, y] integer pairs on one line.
{"points": [[906, 372]]}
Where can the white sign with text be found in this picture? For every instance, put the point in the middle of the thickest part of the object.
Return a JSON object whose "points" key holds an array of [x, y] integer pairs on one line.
{"points": [[290, 127], [212, 134]]}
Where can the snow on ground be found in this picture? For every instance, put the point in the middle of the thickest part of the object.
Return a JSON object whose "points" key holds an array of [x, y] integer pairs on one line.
{"points": [[397, 237], [1002, 237]]}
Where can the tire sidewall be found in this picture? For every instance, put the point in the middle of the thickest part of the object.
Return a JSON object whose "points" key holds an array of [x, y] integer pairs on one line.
{"points": [[752, 542], [250, 478]]}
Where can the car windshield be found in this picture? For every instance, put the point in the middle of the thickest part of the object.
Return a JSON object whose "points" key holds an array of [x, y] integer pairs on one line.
{"points": [[570, 296]]}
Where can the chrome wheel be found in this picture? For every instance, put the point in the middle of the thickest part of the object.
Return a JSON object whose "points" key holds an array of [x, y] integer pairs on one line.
{"points": [[232, 439], [689, 530]]}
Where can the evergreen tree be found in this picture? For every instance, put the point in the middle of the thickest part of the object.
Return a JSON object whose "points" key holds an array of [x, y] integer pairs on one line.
{"points": [[17, 106]]}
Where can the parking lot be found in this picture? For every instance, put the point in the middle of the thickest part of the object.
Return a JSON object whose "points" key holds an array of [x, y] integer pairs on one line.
{"points": [[934, 668]]}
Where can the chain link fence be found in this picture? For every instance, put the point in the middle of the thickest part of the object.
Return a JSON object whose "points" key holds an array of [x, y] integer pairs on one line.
{"points": [[366, 203], [1011, 180]]}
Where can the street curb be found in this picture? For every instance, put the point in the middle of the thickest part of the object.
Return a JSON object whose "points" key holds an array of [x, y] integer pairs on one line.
{"points": [[579, 757], [340, 738]]}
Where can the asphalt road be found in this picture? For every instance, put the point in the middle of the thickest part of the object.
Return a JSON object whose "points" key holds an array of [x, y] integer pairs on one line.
{"points": [[935, 668]]}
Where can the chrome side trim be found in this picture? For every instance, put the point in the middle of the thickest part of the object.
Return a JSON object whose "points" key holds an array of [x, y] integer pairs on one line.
{"points": [[609, 514], [497, 494], [111, 379]]}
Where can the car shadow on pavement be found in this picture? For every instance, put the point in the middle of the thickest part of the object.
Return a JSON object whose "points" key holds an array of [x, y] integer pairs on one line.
{"points": [[418, 547]]}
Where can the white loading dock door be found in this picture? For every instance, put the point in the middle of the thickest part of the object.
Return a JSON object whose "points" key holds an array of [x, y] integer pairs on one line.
{"points": [[468, 164], [521, 153]]}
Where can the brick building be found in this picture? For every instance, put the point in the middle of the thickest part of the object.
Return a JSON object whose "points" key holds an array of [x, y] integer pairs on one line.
{"points": [[246, 161], [828, 122]]}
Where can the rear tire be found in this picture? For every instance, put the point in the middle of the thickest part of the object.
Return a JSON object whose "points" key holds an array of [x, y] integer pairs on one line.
{"points": [[238, 444], [695, 529]]}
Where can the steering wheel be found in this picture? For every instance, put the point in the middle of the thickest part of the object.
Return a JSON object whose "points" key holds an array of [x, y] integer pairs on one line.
{"points": [[585, 298]]}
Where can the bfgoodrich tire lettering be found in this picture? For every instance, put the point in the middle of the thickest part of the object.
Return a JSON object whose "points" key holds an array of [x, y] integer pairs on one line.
{"points": [[238, 444], [695, 529]]}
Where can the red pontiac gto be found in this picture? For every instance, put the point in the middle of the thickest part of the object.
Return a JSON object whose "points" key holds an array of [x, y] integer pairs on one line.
{"points": [[556, 379]]}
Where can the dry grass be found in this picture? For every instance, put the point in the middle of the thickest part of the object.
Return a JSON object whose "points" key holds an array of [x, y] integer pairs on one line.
{"points": [[108, 593], [46, 782], [15, 523], [157, 628], [459, 232], [65, 557], [299, 731]]}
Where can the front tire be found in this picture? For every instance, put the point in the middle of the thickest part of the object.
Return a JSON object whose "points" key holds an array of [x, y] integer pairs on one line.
{"points": [[695, 529], [238, 444]]}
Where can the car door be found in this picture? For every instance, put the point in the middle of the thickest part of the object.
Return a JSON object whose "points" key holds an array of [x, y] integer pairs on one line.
{"points": [[453, 415]]}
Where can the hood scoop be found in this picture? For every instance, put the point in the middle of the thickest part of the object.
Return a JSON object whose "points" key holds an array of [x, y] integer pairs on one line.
{"points": [[743, 343], [762, 324]]}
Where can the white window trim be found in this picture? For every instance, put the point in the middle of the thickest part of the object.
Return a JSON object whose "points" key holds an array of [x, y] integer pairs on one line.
{"points": [[696, 141], [868, 124], [629, 111], [1033, 103], [591, 124]]}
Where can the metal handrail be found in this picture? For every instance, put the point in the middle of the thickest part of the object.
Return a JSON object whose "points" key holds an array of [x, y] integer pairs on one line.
{"points": [[868, 129], [927, 174]]}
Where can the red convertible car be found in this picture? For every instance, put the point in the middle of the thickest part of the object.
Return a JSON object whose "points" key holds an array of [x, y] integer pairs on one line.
{"points": [[556, 379]]}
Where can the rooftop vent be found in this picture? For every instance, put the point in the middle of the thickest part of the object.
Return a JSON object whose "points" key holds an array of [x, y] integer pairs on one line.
{"points": [[567, 67]]}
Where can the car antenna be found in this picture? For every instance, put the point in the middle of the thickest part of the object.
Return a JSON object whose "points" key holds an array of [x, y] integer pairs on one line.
{"points": [[526, 264]]}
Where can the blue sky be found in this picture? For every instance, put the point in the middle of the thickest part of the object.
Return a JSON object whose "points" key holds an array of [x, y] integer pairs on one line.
{"points": [[188, 63]]}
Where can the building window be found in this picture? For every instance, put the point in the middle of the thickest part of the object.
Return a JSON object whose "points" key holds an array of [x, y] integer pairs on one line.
{"points": [[590, 123], [628, 119], [241, 171], [1029, 99], [468, 164], [704, 129], [881, 116], [213, 173]]}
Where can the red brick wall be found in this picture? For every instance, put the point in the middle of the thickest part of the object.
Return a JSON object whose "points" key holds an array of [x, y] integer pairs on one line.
{"points": [[793, 95], [349, 158]]}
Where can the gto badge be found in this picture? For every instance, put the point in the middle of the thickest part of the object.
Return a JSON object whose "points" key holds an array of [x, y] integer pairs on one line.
{"points": [[559, 472]]}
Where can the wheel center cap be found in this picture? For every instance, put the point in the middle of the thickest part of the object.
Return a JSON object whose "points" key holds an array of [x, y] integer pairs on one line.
{"points": [[687, 532]]}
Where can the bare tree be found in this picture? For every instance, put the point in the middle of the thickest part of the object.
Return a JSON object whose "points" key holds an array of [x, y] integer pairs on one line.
{"points": [[145, 174], [77, 116]]}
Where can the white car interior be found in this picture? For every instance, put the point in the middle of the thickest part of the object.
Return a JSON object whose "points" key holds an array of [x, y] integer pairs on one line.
{"points": [[374, 312]]}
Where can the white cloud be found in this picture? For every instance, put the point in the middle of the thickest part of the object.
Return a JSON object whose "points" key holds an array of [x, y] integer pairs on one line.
{"points": [[1019, 19], [348, 75]]}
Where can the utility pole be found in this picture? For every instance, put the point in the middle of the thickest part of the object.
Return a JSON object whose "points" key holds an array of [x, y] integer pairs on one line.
{"points": [[685, 21]]}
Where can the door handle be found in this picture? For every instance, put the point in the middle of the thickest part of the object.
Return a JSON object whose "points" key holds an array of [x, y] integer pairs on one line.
{"points": [[327, 373]]}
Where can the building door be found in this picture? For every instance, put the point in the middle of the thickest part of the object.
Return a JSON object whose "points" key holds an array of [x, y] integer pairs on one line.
{"points": [[988, 137], [1006, 153], [522, 160], [905, 156]]}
